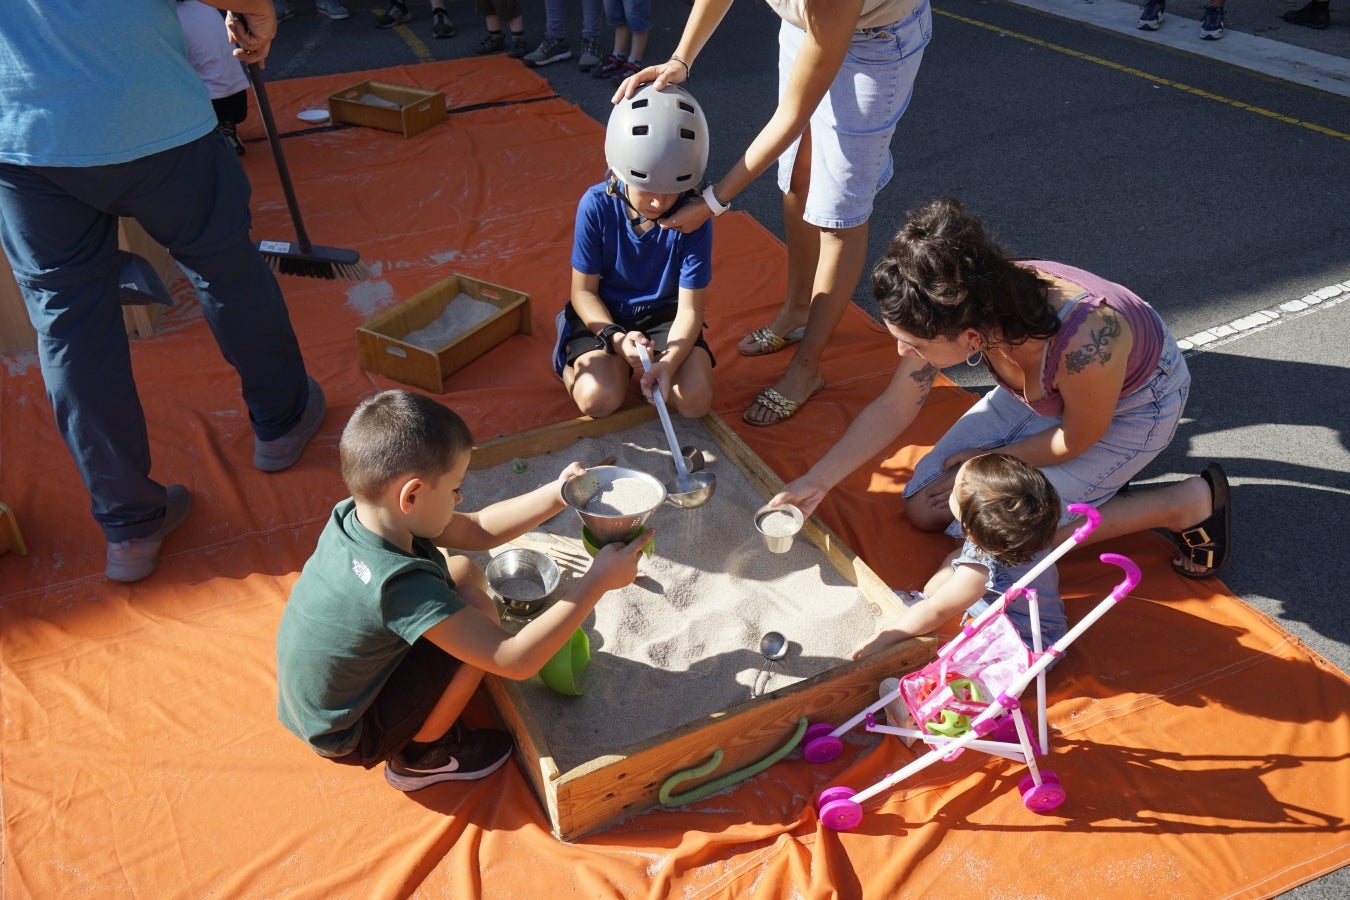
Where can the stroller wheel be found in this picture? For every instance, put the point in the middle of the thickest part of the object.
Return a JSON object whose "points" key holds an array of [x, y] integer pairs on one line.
{"points": [[829, 795], [823, 749], [1044, 797], [840, 813]]}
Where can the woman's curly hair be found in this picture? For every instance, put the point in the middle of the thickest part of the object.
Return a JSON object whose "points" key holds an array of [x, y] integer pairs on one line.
{"points": [[942, 275]]}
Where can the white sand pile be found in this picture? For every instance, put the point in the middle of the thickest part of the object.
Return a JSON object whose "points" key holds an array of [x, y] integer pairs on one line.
{"points": [[459, 315], [682, 642]]}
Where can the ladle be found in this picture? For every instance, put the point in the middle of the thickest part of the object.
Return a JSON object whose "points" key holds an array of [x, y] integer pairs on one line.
{"points": [[693, 490], [681, 473]]}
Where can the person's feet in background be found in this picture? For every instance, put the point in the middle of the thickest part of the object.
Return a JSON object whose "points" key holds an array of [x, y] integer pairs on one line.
{"points": [[590, 54], [1151, 14], [1313, 14], [608, 66], [550, 51], [284, 10], [332, 9], [395, 14], [134, 559], [1211, 23], [441, 26]]}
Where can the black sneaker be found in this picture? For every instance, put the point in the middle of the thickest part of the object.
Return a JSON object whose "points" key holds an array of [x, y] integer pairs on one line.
{"points": [[518, 48], [1151, 14], [464, 754], [1310, 15], [441, 26], [611, 64], [396, 14], [493, 43], [1211, 23]]}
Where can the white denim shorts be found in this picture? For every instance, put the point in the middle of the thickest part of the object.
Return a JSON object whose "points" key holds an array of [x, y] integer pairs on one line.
{"points": [[852, 127]]}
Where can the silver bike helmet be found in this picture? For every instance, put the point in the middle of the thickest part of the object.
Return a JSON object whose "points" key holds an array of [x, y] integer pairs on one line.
{"points": [[658, 140]]}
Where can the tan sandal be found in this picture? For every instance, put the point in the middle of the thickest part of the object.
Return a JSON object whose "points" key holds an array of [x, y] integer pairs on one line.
{"points": [[768, 342], [781, 407]]}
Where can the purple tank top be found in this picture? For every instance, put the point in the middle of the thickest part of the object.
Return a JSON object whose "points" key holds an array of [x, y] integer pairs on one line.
{"points": [[1146, 327]]}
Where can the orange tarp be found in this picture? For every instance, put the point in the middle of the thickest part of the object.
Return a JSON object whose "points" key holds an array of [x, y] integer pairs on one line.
{"points": [[1203, 750]]}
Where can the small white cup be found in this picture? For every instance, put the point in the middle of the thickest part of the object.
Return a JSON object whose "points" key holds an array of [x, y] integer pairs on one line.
{"points": [[778, 525]]}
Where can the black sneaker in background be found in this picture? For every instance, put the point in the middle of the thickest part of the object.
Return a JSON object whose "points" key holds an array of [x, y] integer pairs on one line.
{"points": [[1314, 14], [1151, 14], [441, 26], [464, 754]]}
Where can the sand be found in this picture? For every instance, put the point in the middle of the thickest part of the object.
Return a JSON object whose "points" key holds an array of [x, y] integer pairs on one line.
{"points": [[683, 641], [459, 315]]}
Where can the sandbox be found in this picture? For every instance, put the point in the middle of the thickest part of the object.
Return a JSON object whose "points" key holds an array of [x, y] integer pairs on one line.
{"points": [[676, 671]]}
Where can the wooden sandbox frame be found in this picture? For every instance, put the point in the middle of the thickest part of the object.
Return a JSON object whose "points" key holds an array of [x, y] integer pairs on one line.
{"points": [[617, 785]]}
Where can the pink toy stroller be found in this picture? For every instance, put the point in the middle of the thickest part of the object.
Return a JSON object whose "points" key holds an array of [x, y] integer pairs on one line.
{"points": [[968, 697]]}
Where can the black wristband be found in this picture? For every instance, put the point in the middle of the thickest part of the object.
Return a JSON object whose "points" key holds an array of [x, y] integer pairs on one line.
{"points": [[606, 336]]}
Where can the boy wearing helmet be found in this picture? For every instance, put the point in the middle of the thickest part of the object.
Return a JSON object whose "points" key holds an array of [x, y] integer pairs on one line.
{"points": [[634, 282]]}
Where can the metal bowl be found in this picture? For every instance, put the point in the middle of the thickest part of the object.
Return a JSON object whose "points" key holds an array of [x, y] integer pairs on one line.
{"points": [[622, 525], [701, 487], [524, 579]]}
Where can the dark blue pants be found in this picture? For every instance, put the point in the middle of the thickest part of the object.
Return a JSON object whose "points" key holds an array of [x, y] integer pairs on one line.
{"points": [[58, 226]]}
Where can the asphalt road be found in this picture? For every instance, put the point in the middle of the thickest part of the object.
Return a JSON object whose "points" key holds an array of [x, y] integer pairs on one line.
{"points": [[1210, 177]]}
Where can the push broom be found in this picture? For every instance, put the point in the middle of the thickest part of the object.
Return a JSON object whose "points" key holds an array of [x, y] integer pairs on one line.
{"points": [[301, 257]]}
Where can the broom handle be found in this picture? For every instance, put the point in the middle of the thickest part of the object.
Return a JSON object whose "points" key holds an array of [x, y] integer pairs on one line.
{"points": [[269, 125]]}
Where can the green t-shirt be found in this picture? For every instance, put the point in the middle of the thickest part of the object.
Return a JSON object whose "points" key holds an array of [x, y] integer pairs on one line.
{"points": [[354, 613]]}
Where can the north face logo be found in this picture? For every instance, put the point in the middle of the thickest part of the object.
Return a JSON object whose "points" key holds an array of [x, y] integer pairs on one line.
{"points": [[362, 571]]}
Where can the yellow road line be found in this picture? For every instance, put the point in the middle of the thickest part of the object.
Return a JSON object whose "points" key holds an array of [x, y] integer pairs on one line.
{"points": [[1139, 73], [415, 43]]}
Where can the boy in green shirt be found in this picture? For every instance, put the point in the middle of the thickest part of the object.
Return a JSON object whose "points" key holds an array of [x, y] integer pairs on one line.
{"points": [[384, 639]]}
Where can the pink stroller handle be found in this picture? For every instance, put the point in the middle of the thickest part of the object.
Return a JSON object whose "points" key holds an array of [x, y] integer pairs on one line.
{"points": [[1093, 517], [1132, 574]]}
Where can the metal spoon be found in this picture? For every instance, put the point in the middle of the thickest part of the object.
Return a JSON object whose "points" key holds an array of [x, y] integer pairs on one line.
{"points": [[773, 646]]}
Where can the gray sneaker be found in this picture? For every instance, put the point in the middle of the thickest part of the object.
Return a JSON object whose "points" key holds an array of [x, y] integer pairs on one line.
{"points": [[332, 9], [590, 54], [283, 9], [136, 558], [550, 51], [283, 452]]}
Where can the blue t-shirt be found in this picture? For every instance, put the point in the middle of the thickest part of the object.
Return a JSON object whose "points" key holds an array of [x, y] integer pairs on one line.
{"points": [[639, 273], [85, 84]]}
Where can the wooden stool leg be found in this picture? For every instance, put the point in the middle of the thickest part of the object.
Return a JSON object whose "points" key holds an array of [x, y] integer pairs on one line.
{"points": [[10, 538]]}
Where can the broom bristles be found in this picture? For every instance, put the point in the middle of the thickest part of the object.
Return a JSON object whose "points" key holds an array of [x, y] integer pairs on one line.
{"points": [[320, 262]]}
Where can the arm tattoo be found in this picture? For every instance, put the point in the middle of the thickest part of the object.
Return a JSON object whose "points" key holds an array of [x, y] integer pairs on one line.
{"points": [[1096, 349], [924, 378]]}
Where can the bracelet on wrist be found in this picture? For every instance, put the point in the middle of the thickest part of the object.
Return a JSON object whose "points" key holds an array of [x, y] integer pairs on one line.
{"points": [[688, 72], [715, 206]]}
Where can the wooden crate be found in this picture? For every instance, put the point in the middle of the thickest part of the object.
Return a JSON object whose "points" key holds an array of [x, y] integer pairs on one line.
{"points": [[381, 349], [391, 107], [16, 332], [628, 781]]}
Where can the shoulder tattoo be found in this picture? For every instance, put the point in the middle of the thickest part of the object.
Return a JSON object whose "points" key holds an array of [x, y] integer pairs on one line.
{"points": [[1098, 346]]}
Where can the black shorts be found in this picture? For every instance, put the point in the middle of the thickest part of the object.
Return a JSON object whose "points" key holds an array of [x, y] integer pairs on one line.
{"points": [[233, 108], [403, 704], [656, 327]]}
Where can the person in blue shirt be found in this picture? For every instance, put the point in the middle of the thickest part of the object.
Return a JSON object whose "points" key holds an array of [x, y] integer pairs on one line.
{"points": [[633, 281], [108, 122]]}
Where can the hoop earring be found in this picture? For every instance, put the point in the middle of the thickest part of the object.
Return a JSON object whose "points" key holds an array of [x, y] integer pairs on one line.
{"points": [[974, 358]]}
